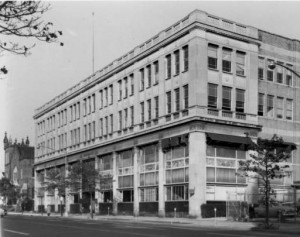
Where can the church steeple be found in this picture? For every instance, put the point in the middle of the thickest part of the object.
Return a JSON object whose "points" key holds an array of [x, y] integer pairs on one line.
{"points": [[5, 141]]}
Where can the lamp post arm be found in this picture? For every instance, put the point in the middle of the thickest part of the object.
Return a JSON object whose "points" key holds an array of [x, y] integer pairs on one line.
{"points": [[287, 68]]}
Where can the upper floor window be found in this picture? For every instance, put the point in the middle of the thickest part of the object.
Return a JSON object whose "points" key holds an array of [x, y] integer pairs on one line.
{"points": [[149, 109], [269, 72], [132, 116], [168, 66], [177, 100], [101, 99], [260, 109], [212, 95], [260, 68], [142, 112], [169, 110], [125, 118], [125, 87], [240, 63], [156, 107], [279, 74], [289, 78], [279, 112], [120, 89], [270, 106], [111, 123], [142, 82], [84, 107], [226, 98], [93, 104], [106, 96], [156, 70], [226, 60], [289, 109], [185, 58], [177, 62], [240, 101], [212, 56], [186, 96], [131, 76], [111, 91], [120, 120], [149, 75]]}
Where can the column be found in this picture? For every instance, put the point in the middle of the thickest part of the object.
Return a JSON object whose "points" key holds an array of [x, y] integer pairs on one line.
{"points": [[36, 197], [67, 206], [115, 184], [97, 186], [46, 198], [197, 171], [136, 180], [161, 181]]}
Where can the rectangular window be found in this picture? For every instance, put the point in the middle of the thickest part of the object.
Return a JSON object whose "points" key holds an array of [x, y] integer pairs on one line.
{"points": [[142, 112], [125, 118], [212, 56], [270, 106], [85, 133], [78, 110], [142, 82], [261, 67], [120, 89], [226, 60], [101, 127], [132, 115], [106, 125], [186, 96], [260, 109], [156, 107], [149, 109], [106, 96], [126, 87], [226, 98], [289, 78], [101, 99], [111, 91], [177, 100], [75, 112], [185, 58], [120, 120], [131, 76], [212, 95], [169, 102], [93, 130], [177, 62], [240, 101], [149, 75], [156, 70], [111, 123], [279, 74], [269, 72], [240, 63], [84, 107], [279, 113], [289, 109], [168, 66], [93, 103]]}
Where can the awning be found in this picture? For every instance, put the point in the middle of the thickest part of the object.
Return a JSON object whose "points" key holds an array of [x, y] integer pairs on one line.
{"points": [[229, 140]]}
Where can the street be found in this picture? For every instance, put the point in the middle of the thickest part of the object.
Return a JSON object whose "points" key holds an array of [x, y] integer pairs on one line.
{"points": [[36, 226]]}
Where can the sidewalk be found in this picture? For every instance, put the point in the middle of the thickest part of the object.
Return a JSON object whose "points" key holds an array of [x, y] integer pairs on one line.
{"points": [[290, 227]]}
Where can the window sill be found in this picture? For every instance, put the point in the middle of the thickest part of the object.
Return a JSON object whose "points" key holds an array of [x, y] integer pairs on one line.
{"points": [[155, 83], [176, 74], [213, 69], [244, 76], [168, 78], [184, 71], [229, 73], [141, 90]]}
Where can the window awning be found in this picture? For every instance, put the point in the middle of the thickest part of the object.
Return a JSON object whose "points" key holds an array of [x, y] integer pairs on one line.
{"points": [[229, 140]]}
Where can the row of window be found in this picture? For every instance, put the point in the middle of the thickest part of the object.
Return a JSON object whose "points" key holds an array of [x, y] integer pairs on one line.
{"points": [[279, 75], [75, 111], [278, 107], [180, 59], [146, 73], [214, 51], [178, 102], [226, 98]]}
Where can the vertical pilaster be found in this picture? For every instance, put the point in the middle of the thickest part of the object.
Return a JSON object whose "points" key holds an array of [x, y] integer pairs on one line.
{"points": [[97, 186], [46, 198], [115, 184], [197, 170], [161, 180], [36, 185], [136, 181], [67, 201]]}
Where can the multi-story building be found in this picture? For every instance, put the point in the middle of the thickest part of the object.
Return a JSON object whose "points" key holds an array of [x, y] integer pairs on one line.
{"points": [[171, 119], [19, 158]]}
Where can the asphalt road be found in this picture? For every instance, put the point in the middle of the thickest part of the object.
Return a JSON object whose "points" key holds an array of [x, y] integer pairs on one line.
{"points": [[35, 226]]}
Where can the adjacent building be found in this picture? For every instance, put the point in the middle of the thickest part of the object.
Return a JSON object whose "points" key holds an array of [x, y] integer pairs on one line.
{"points": [[169, 120], [19, 159]]}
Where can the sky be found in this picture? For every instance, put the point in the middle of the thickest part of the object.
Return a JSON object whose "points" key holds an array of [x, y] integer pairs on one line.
{"points": [[118, 28]]}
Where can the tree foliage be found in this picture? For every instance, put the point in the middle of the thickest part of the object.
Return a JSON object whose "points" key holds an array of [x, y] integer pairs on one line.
{"points": [[20, 20], [267, 161], [8, 189]]}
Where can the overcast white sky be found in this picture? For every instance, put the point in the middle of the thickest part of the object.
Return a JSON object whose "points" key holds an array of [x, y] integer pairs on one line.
{"points": [[119, 27]]}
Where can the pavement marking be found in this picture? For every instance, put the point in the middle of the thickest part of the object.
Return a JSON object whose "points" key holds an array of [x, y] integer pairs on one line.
{"points": [[16, 232]]}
